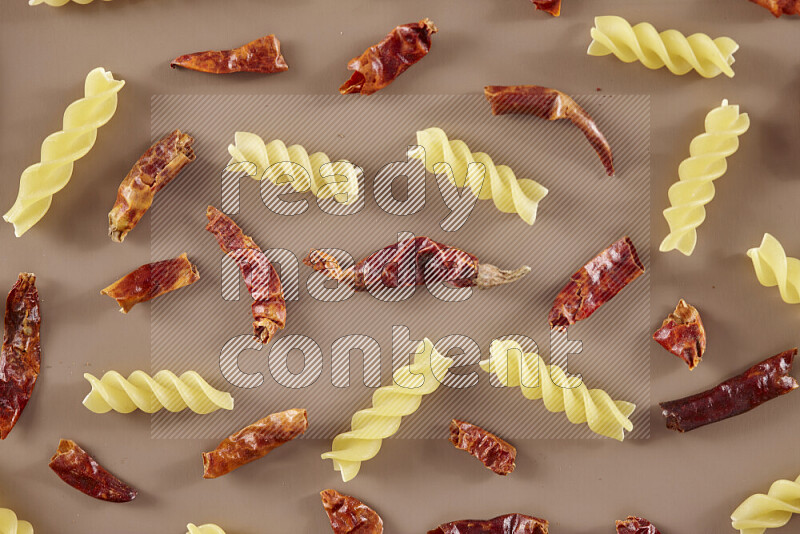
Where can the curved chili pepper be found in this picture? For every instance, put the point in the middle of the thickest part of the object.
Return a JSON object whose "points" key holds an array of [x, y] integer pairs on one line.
{"points": [[636, 525], [504, 524], [262, 55], [550, 6], [495, 453], [75, 467], [682, 333], [348, 515]]}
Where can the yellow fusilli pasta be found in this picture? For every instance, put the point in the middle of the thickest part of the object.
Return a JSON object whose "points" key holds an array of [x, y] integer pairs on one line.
{"points": [[9, 524], [773, 510], [390, 404], [774, 268], [560, 393], [279, 162], [680, 54], [165, 390], [59, 3], [695, 187], [510, 194], [41, 181], [208, 528]]}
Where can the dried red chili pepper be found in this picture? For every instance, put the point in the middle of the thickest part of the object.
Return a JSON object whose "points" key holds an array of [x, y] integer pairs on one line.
{"points": [[780, 7], [493, 452], [254, 441], [151, 281], [261, 278], [348, 515], [75, 467], [151, 173], [504, 524], [262, 55], [762, 382], [380, 64], [550, 6], [596, 283], [682, 333], [551, 105], [636, 525], [21, 357], [432, 262]]}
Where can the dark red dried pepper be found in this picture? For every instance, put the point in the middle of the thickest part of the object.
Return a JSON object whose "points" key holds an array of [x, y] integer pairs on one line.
{"points": [[75, 467], [780, 7], [636, 525], [682, 333], [151, 281], [596, 283], [262, 55], [380, 64], [493, 452], [551, 105], [432, 262], [21, 357], [261, 278], [550, 6], [348, 515], [254, 441], [762, 382], [504, 524]]}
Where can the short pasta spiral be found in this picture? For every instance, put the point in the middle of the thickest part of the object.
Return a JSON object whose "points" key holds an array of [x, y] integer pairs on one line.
{"points": [[537, 380], [680, 54], [774, 268], [59, 3], [208, 528], [773, 510], [165, 390], [390, 404], [41, 181], [279, 161], [695, 188], [510, 194], [9, 524]]}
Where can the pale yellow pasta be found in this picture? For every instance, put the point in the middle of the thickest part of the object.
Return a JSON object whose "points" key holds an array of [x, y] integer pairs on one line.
{"points": [[390, 404], [510, 194], [208, 528], [695, 188], [58, 3], [680, 54], [560, 393], [41, 181], [774, 268], [9, 524], [165, 390], [293, 164], [773, 510]]}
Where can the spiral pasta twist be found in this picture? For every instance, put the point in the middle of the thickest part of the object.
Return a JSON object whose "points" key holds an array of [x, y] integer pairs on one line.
{"points": [[510, 194], [59, 3], [390, 404], [163, 391], [560, 393], [277, 161], [41, 181], [208, 528], [695, 188], [773, 510], [774, 268], [9, 524], [680, 54]]}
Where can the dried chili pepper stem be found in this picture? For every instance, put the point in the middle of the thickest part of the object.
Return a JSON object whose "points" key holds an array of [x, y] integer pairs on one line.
{"points": [[490, 276]]}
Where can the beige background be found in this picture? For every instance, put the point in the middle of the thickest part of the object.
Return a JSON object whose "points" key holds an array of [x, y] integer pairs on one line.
{"points": [[687, 483]]}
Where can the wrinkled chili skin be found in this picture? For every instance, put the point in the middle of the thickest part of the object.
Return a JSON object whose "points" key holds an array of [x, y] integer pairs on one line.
{"points": [[260, 277], [262, 55], [683, 334], [762, 382], [549, 104], [348, 515], [504, 524], [780, 7], [382, 63], [636, 525], [495, 453], [21, 357], [596, 283], [550, 6], [75, 467], [254, 441]]}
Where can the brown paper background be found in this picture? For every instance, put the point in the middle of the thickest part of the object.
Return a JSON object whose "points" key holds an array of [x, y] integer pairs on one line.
{"points": [[687, 483]]}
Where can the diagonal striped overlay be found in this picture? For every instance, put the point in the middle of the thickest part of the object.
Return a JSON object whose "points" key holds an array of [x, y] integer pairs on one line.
{"points": [[584, 212]]}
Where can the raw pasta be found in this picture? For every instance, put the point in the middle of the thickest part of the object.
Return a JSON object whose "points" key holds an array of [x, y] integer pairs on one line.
{"points": [[510, 194], [560, 393], [279, 162], [680, 54], [773, 510], [208, 528], [9, 524], [58, 3], [41, 181], [773, 268], [390, 404], [695, 187], [165, 390]]}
